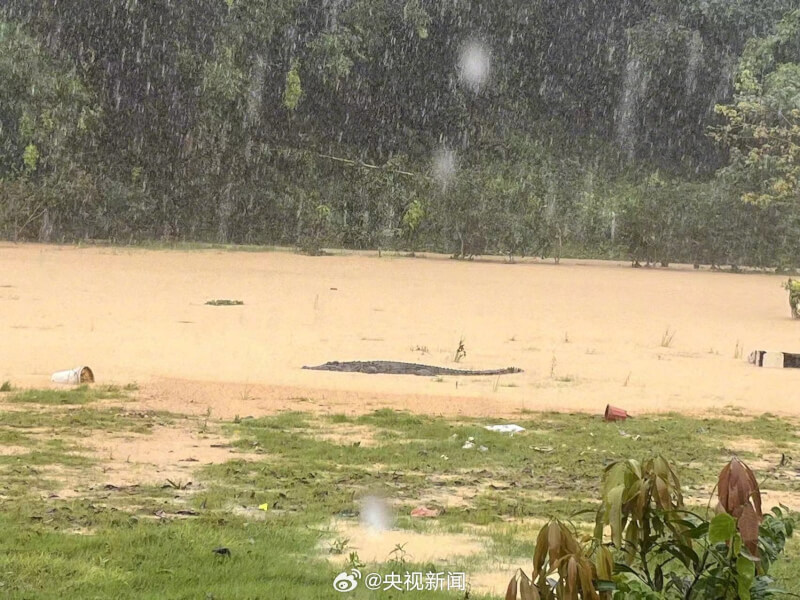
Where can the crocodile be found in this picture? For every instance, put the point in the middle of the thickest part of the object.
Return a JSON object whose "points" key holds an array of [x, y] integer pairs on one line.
{"points": [[390, 367]]}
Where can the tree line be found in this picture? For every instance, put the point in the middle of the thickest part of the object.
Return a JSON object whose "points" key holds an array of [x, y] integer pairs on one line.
{"points": [[655, 130]]}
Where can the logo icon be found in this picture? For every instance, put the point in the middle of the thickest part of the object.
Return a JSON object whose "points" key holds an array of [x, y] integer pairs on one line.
{"points": [[347, 582]]}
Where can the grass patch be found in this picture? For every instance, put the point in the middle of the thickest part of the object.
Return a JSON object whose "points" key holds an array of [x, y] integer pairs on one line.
{"points": [[418, 447], [785, 571], [82, 394], [133, 544], [132, 558], [57, 453], [6, 387], [80, 421]]}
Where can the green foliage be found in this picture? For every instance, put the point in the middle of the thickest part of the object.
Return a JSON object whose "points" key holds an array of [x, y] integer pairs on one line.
{"points": [[293, 90], [793, 287], [311, 470], [676, 553], [668, 552], [412, 219], [178, 131], [31, 158], [416, 16], [761, 127], [314, 223], [334, 54]]}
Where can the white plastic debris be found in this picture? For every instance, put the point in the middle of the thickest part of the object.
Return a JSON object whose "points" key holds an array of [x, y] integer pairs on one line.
{"points": [[505, 428], [74, 376]]}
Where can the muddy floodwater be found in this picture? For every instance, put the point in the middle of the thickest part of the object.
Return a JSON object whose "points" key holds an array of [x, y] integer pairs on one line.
{"points": [[585, 333]]}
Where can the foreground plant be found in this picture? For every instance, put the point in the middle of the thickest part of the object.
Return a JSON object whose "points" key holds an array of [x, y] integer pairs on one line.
{"points": [[558, 553], [657, 549]]}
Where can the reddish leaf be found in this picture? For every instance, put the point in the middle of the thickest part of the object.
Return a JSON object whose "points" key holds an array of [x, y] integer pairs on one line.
{"points": [[527, 591], [511, 591], [748, 528], [722, 486], [554, 541], [737, 488], [586, 577], [540, 553]]}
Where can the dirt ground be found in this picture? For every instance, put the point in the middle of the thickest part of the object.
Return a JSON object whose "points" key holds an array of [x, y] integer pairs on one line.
{"points": [[586, 333]]}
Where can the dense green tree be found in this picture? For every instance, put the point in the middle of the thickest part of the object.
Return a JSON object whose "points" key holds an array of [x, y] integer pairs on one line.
{"points": [[289, 122]]}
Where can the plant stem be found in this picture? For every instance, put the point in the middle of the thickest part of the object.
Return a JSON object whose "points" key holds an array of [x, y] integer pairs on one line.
{"points": [[698, 572]]}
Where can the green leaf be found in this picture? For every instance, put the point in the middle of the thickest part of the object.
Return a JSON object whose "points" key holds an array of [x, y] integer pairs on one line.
{"points": [[746, 572], [614, 504], [722, 528]]}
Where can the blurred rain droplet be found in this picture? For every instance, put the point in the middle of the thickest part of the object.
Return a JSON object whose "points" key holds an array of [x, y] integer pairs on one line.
{"points": [[375, 514], [444, 166], [474, 65]]}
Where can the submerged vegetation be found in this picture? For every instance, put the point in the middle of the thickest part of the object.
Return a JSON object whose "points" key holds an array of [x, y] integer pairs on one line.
{"points": [[656, 131]]}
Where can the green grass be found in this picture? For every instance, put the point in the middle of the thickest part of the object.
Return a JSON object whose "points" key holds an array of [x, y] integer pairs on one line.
{"points": [[785, 571], [582, 445], [48, 452], [48, 432], [134, 558], [110, 544], [81, 421], [51, 435], [82, 394]]}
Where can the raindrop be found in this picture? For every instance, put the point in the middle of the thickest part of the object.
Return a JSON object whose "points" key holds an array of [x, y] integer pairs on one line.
{"points": [[633, 90], [444, 166], [375, 514], [474, 65]]}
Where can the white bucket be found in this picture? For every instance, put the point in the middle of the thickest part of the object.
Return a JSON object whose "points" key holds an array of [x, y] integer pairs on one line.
{"points": [[74, 376]]}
